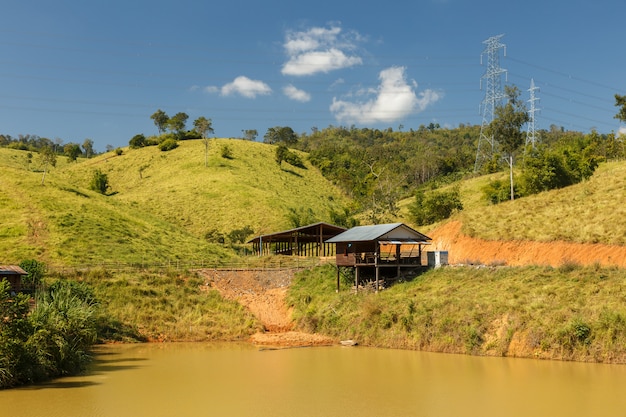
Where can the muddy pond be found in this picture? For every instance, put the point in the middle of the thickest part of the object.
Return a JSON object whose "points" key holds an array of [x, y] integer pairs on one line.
{"points": [[188, 380]]}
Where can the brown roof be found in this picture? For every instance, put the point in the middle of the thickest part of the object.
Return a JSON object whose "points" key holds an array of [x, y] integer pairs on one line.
{"points": [[12, 270], [310, 231]]}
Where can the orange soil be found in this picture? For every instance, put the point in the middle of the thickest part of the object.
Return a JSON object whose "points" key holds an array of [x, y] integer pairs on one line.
{"points": [[464, 249], [263, 293]]}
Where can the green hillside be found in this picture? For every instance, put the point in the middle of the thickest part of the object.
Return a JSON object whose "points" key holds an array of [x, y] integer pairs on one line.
{"points": [[160, 207]]}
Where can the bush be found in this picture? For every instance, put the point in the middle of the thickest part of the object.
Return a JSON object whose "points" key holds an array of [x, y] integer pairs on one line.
{"points": [[240, 235], [137, 141], [36, 271], [99, 182], [497, 191], [168, 145], [435, 206], [227, 152]]}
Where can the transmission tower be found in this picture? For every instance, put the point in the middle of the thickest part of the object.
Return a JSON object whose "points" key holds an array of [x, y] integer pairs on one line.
{"points": [[493, 96], [531, 135]]}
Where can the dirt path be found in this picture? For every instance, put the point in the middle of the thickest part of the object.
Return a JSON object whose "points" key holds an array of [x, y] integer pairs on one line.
{"points": [[464, 249], [263, 292]]}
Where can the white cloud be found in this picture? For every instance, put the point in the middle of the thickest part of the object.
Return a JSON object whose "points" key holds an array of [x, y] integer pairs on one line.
{"points": [[621, 131], [319, 50], [296, 94], [243, 86], [394, 99]]}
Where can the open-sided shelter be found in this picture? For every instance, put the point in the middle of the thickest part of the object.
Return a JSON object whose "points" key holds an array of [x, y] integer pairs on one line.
{"points": [[307, 240], [13, 274], [389, 247]]}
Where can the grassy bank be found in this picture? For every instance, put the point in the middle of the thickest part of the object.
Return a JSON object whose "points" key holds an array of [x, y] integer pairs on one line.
{"points": [[570, 313], [165, 306]]}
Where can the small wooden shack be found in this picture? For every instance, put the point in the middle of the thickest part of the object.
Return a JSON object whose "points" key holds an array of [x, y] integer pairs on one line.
{"points": [[385, 249], [13, 274], [307, 240]]}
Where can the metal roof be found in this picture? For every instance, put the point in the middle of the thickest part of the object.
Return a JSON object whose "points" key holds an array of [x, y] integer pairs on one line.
{"points": [[308, 230], [374, 232], [12, 270]]}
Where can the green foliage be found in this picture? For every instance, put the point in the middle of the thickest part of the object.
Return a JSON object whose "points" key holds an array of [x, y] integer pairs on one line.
{"points": [[240, 235], [557, 167], [497, 191], [435, 206], [226, 152], [168, 145], [280, 135], [36, 271], [52, 341], [620, 102], [160, 119], [119, 151], [301, 216], [284, 154], [202, 125], [177, 123], [137, 141], [343, 218], [72, 151], [99, 182], [215, 236]]}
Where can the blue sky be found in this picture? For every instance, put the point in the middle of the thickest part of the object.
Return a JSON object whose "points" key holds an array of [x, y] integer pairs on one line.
{"points": [[79, 69]]}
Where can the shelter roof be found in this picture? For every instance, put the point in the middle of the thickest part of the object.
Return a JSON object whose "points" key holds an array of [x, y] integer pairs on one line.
{"points": [[328, 230], [12, 270], [389, 232]]}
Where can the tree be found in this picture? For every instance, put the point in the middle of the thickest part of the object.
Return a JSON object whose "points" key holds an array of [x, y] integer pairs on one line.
{"points": [[160, 120], [506, 126], [137, 141], [99, 182], [280, 134], [202, 125], [48, 157], [250, 134], [620, 101], [72, 150], [177, 123], [88, 148]]}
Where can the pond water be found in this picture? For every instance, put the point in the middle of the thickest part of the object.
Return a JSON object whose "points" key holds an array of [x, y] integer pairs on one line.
{"points": [[187, 380]]}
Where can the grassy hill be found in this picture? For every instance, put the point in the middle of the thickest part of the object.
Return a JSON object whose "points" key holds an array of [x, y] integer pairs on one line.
{"points": [[160, 207], [589, 212]]}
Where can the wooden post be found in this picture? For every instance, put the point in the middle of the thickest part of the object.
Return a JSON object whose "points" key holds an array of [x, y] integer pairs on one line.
{"points": [[398, 252], [337, 278], [377, 270], [356, 279]]}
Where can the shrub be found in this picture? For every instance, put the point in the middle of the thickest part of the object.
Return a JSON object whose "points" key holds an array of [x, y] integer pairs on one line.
{"points": [[497, 191], [36, 271], [240, 235], [137, 141], [99, 182], [119, 151], [168, 145], [435, 206], [227, 152]]}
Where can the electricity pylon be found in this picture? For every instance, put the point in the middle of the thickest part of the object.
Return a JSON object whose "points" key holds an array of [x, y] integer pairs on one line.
{"points": [[493, 95], [531, 135]]}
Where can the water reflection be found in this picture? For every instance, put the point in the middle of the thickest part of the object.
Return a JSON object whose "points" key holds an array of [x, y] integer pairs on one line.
{"points": [[240, 380]]}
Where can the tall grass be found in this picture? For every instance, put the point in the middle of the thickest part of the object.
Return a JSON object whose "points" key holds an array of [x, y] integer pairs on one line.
{"points": [[565, 313], [166, 306]]}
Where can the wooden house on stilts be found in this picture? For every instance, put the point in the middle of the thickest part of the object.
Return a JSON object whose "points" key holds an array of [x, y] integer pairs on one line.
{"points": [[379, 252]]}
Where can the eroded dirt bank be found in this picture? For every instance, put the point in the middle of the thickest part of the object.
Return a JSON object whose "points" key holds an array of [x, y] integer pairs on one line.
{"points": [[466, 250], [263, 292]]}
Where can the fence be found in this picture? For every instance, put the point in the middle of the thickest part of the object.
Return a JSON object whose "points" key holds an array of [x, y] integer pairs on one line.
{"points": [[252, 263]]}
